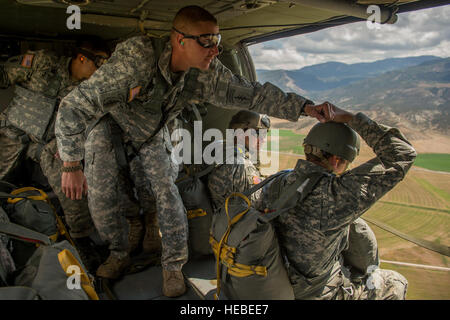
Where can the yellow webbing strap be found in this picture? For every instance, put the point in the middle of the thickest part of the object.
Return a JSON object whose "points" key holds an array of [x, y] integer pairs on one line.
{"points": [[227, 233], [44, 197], [54, 237], [196, 213], [234, 268], [67, 259]]}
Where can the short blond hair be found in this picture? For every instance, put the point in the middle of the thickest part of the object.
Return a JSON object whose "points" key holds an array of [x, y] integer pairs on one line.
{"points": [[189, 15]]}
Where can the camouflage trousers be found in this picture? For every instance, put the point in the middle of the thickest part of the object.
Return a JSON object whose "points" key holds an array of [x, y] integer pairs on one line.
{"points": [[161, 172], [110, 189], [380, 285], [11, 151], [76, 212]]}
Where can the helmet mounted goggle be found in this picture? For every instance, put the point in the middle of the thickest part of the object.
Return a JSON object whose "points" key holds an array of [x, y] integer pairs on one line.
{"points": [[265, 121]]}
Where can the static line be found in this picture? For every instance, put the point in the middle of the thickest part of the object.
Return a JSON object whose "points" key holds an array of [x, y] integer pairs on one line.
{"points": [[424, 266]]}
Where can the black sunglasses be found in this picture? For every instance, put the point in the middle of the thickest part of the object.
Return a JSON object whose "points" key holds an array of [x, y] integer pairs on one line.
{"points": [[97, 59], [207, 40]]}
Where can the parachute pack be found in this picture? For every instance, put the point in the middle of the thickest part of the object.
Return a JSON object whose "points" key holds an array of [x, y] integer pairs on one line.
{"points": [[248, 256], [43, 268], [196, 199], [31, 208]]}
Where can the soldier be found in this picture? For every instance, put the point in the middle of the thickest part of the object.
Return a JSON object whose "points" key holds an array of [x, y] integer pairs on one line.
{"points": [[242, 174], [314, 233], [145, 85], [42, 79]]}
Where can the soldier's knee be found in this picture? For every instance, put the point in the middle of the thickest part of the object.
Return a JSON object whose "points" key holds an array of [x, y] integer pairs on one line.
{"points": [[395, 285]]}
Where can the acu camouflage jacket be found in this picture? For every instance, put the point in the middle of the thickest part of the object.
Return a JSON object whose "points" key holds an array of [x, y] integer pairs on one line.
{"points": [[127, 85], [41, 73], [237, 177]]}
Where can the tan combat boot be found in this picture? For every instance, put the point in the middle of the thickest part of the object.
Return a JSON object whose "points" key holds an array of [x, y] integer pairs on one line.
{"points": [[135, 233], [114, 266], [152, 238], [173, 283]]}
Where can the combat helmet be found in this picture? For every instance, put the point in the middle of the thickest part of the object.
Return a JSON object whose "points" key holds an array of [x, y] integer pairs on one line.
{"points": [[246, 119], [334, 138]]}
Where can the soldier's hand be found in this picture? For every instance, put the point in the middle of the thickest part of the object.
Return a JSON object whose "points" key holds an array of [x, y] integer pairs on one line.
{"points": [[323, 112], [74, 184], [328, 112]]}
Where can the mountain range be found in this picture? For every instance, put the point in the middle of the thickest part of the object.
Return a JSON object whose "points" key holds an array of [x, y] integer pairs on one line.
{"points": [[414, 91]]}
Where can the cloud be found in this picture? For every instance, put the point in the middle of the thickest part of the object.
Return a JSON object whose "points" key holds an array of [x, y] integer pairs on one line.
{"points": [[423, 32]]}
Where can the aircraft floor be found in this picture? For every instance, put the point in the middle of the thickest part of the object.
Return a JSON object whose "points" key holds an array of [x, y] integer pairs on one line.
{"points": [[199, 274]]}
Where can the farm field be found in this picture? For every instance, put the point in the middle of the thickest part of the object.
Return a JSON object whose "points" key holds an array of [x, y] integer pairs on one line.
{"points": [[418, 206], [434, 161], [289, 141]]}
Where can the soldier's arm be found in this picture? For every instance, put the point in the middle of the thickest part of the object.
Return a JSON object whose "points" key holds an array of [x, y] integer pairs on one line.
{"points": [[20, 68], [358, 189], [220, 87], [109, 84]]}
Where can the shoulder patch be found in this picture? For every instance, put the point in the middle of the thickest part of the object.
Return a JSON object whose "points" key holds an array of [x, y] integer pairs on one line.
{"points": [[27, 60], [134, 92]]}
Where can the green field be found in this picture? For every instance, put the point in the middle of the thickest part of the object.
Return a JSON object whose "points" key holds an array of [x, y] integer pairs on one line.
{"points": [[433, 161], [289, 141]]}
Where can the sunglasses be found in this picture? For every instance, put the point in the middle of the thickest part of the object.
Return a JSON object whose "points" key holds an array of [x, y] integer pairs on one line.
{"points": [[207, 40], [97, 59]]}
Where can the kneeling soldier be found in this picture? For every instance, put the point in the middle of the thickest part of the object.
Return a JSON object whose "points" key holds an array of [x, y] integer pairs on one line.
{"points": [[313, 234], [243, 172]]}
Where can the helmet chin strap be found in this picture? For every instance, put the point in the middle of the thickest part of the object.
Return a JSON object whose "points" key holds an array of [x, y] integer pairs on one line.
{"points": [[317, 153]]}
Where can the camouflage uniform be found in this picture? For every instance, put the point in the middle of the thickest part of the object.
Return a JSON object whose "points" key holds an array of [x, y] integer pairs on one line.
{"points": [[111, 196], [315, 232], [7, 265], [43, 73], [129, 87], [237, 177]]}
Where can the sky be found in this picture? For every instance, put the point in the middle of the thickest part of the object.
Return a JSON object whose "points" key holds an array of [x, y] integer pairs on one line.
{"points": [[423, 32]]}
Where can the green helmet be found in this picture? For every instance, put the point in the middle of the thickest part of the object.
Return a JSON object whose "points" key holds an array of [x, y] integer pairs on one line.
{"points": [[335, 138], [246, 119]]}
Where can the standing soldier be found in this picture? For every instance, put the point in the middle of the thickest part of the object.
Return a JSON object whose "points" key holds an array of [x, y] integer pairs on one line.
{"points": [[41, 80], [314, 233], [145, 85], [242, 173]]}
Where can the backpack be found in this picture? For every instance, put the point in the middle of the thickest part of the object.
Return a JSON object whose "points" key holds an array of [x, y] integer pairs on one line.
{"points": [[31, 208], [196, 199], [249, 263], [53, 272]]}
